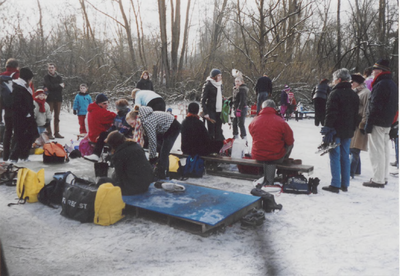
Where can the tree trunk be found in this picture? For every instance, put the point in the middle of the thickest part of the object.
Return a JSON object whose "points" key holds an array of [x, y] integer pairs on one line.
{"points": [[175, 33], [185, 38], [127, 28], [339, 38], [164, 42]]}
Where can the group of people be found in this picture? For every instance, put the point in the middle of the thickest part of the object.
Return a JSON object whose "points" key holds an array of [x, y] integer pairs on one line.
{"points": [[27, 113], [348, 110]]}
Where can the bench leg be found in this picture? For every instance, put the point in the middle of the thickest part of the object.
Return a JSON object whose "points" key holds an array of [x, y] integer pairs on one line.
{"points": [[269, 174]]}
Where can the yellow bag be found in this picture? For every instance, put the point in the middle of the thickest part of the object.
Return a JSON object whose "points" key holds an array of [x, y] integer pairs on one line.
{"points": [[108, 205], [173, 163], [29, 184]]}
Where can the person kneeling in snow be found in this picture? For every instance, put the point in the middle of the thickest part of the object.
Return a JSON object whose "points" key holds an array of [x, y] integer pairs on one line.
{"points": [[133, 173], [99, 121], [272, 138]]}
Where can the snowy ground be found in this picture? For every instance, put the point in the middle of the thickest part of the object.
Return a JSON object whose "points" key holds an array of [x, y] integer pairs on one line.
{"points": [[354, 233]]}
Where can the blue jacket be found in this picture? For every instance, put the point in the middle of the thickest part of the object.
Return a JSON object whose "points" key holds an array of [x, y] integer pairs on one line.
{"points": [[81, 103]]}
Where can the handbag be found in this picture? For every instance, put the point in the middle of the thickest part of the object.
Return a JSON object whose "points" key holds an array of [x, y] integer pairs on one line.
{"points": [[297, 185], [78, 200]]}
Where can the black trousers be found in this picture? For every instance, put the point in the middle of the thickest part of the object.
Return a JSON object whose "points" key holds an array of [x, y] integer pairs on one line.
{"points": [[320, 108], [157, 104]]}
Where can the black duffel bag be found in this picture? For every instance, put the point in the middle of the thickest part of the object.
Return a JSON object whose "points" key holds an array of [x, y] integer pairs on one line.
{"points": [[78, 200]]}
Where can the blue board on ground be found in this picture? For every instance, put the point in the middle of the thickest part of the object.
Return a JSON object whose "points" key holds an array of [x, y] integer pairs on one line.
{"points": [[196, 203]]}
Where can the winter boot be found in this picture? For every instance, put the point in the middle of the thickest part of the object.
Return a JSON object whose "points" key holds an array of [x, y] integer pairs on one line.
{"points": [[315, 184], [268, 200]]}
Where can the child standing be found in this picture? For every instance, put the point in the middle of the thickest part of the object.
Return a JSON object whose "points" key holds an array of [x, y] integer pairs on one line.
{"points": [[42, 111], [81, 103]]}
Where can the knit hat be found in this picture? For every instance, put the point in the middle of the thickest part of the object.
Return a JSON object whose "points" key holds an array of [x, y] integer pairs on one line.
{"points": [[38, 92], [101, 98], [193, 108], [214, 72], [357, 78], [169, 109], [287, 88], [382, 64], [25, 73]]}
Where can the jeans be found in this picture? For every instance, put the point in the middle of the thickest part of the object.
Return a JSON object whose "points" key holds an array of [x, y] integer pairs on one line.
{"points": [[355, 162], [166, 146], [340, 163], [41, 129], [262, 96], [240, 121]]}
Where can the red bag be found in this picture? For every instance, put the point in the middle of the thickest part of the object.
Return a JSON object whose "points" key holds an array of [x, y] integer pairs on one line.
{"points": [[250, 169], [227, 147], [253, 110]]}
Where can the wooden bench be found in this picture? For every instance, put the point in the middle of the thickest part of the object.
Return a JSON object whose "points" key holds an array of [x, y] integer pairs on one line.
{"points": [[213, 169]]}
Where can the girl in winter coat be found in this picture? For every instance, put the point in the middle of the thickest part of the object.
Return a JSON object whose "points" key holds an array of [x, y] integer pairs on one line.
{"points": [[25, 128], [211, 103], [42, 111], [239, 107], [284, 100], [359, 141], [157, 124], [145, 83], [133, 172], [81, 104]]}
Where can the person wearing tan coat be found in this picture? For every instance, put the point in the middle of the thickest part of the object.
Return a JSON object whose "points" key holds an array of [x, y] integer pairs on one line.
{"points": [[359, 142]]}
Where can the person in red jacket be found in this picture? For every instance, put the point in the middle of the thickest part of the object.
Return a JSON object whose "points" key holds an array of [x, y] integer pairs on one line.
{"points": [[272, 138], [99, 122]]}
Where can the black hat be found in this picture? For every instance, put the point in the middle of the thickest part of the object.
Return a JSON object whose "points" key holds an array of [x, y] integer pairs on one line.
{"points": [[214, 72], [193, 108], [25, 73], [101, 98], [382, 64], [75, 154], [357, 78]]}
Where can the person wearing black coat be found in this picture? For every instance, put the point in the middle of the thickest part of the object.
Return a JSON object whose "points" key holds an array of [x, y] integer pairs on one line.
{"points": [[133, 172], [381, 110], [145, 83], [340, 122], [211, 102], [320, 95], [54, 85], [194, 135], [25, 128], [239, 107]]}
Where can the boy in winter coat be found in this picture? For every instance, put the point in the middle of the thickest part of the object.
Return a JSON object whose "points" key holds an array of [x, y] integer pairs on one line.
{"points": [[120, 123], [42, 111], [81, 103]]}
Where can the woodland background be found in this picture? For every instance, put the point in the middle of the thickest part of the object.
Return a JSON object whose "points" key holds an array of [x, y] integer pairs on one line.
{"points": [[107, 44]]}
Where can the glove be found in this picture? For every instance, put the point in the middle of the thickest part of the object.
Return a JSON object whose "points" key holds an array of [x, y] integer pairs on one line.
{"points": [[329, 132], [238, 113], [75, 112], [368, 128], [153, 161]]}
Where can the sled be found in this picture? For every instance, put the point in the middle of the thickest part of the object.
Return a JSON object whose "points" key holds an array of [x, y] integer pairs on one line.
{"points": [[199, 210]]}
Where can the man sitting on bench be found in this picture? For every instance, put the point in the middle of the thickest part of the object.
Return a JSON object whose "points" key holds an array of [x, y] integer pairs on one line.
{"points": [[272, 139]]}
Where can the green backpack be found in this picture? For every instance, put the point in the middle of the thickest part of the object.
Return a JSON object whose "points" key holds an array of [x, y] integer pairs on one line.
{"points": [[226, 108]]}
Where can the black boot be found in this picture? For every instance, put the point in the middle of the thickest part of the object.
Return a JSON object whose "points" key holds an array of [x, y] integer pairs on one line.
{"points": [[315, 184], [268, 200]]}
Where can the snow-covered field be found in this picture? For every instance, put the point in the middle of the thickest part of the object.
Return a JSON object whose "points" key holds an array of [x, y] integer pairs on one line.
{"points": [[353, 233]]}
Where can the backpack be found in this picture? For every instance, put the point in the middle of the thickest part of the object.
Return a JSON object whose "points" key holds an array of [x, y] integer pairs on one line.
{"points": [[226, 107], [108, 205], [85, 147], [8, 174], [194, 167], [29, 184], [6, 90], [175, 170], [297, 184], [51, 194], [54, 153]]}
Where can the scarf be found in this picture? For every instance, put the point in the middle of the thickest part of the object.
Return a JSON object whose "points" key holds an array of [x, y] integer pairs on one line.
{"points": [[192, 115], [218, 85], [41, 104]]}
